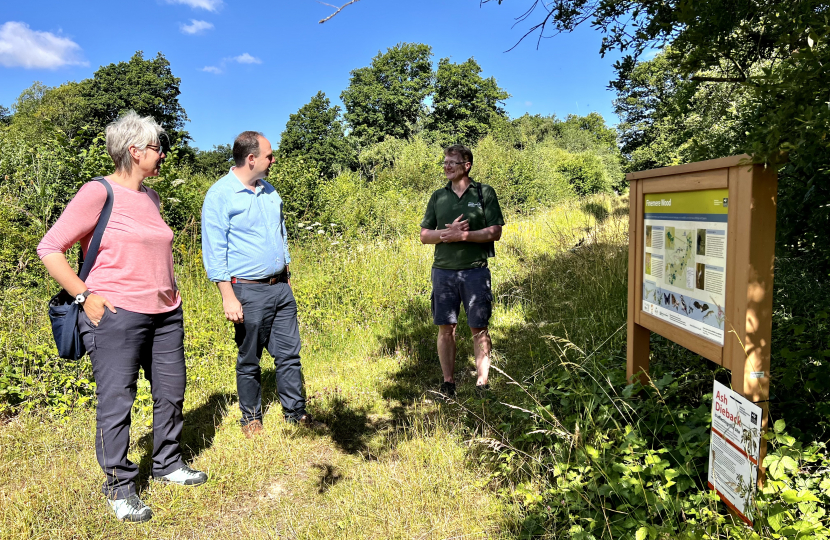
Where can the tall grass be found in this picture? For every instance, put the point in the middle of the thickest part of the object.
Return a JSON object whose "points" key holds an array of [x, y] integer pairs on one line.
{"points": [[391, 464], [563, 448]]}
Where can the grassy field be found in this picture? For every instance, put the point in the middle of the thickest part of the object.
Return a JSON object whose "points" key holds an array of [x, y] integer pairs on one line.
{"points": [[392, 463]]}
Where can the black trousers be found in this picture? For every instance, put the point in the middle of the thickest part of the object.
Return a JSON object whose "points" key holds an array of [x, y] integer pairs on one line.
{"points": [[122, 343], [269, 322]]}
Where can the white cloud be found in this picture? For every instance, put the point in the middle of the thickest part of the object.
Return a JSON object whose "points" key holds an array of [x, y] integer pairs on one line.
{"points": [[243, 58], [246, 59], [20, 46], [196, 27], [210, 5], [528, 103]]}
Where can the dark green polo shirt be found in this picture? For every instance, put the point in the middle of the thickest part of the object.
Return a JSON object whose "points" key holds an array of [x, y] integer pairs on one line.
{"points": [[444, 206]]}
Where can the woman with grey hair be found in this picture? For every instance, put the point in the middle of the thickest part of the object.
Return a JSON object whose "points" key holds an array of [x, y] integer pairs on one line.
{"points": [[132, 315]]}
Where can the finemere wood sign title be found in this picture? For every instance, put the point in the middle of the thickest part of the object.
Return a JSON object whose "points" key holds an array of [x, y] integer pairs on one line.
{"points": [[701, 255]]}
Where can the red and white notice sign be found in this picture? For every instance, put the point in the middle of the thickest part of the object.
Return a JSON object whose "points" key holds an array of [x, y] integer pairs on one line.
{"points": [[734, 449]]}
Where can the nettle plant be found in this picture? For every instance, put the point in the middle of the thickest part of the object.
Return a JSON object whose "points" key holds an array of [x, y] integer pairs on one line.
{"points": [[617, 461], [794, 500]]}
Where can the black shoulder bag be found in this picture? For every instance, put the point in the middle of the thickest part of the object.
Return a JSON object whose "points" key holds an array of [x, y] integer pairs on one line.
{"points": [[63, 310], [489, 246]]}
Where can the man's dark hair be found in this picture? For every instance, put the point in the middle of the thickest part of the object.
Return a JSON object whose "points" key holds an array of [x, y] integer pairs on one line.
{"points": [[463, 151], [246, 143]]}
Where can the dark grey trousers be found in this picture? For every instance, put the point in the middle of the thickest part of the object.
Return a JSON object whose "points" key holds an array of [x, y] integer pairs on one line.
{"points": [[120, 344], [269, 321]]}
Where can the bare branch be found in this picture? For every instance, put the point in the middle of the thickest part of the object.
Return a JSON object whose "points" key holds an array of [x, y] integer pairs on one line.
{"points": [[338, 10]]}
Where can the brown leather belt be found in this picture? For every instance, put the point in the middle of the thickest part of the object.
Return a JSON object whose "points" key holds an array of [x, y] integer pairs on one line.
{"points": [[279, 278]]}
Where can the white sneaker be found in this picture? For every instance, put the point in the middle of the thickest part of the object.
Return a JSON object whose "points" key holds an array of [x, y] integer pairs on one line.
{"points": [[131, 509], [185, 477]]}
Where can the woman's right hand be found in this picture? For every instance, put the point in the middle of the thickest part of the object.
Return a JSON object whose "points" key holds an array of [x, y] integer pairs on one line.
{"points": [[94, 306]]}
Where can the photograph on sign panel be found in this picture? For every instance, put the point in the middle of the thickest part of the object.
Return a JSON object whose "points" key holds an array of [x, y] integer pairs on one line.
{"points": [[701, 242]]}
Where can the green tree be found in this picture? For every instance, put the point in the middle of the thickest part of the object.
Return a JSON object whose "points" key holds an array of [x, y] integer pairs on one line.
{"points": [[315, 133], [530, 130], [146, 86], [776, 50], [589, 132], [216, 162], [464, 105], [666, 119], [5, 116], [387, 97], [41, 109], [773, 55]]}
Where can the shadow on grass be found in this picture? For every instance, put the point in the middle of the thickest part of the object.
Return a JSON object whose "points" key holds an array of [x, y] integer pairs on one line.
{"points": [[198, 434], [352, 429], [329, 476], [555, 295]]}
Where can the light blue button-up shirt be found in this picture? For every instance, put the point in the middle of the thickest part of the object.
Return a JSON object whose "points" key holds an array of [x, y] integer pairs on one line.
{"points": [[243, 231]]}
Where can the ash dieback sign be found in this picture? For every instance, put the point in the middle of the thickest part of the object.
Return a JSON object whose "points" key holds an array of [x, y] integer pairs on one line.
{"points": [[684, 281], [734, 449]]}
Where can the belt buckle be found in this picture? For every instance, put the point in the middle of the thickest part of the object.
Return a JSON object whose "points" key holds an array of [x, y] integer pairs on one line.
{"points": [[273, 280]]}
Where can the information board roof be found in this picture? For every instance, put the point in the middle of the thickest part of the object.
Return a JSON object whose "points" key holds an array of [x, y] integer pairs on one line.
{"points": [[720, 163]]}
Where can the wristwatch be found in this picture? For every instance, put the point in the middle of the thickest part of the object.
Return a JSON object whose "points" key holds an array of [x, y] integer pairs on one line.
{"points": [[81, 298]]}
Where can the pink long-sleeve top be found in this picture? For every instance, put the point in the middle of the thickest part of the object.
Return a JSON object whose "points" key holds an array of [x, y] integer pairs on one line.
{"points": [[134, 268]]}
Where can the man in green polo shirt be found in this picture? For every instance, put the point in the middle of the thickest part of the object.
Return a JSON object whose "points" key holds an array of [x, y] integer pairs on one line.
{"points": [[463, 219]]}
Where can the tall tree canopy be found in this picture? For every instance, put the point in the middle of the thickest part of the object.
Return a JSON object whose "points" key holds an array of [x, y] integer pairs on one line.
{"points": [[315, 133], [777, 49], [464, 104], [387, 97], [146, 86], [666, 119], [737, 76]]}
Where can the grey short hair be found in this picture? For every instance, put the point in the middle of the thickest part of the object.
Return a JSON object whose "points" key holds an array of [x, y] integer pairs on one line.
{"points": [[130, 130]]}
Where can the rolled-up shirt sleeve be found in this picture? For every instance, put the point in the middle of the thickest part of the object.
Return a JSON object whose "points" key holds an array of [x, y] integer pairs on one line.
{"points": [[215, 228], [77, 221]]}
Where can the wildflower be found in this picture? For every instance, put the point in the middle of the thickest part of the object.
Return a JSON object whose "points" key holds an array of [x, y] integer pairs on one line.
{"points": [[309, 228], [177, 182], [335, 243], [321, 231], [333, 224], [173, 200], [316, 224], [300, 224]]}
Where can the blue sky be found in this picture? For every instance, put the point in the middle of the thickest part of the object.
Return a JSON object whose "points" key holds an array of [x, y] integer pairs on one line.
{"points": [[249, 65]]}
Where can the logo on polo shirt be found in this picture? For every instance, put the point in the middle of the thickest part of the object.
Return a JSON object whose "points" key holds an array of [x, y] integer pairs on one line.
{"points": [[474, 204]]}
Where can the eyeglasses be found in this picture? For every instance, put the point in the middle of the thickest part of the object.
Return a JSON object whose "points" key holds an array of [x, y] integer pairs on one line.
{"points": [[451, 163], [156, 147]]}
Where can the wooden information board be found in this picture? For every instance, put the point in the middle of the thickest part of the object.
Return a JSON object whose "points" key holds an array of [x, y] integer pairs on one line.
{"points": [[700, 268]]}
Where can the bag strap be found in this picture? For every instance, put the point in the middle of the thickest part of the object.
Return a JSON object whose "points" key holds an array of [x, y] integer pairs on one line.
{"points": [[95, 243], [481, 200], [490, 246]]}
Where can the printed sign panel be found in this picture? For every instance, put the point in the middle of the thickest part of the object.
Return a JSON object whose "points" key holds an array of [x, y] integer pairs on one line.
{"points": [[734, 449], [684, 281]]}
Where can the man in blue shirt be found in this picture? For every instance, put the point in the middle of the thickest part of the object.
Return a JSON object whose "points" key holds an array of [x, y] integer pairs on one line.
{"points": [[245, 252]]}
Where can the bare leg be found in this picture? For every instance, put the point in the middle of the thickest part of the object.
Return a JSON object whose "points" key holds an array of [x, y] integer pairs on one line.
{"points": [[481, 347], [446, 351]]}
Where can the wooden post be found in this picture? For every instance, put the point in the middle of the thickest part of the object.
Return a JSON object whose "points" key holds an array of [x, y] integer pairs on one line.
{"points": [[747, 346], [638, 348]]}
